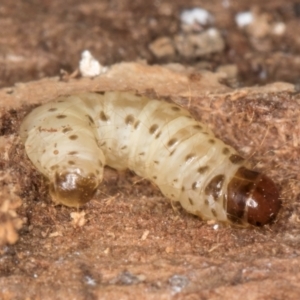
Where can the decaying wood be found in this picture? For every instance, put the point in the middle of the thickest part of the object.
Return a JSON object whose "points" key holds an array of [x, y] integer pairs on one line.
{"points": [[262, 123]]}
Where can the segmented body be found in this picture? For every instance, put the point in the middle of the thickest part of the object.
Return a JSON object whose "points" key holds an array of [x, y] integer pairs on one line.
{"points": [[71, 139]]}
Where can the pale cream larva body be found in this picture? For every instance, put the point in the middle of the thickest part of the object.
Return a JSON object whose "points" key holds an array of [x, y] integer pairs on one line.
{"points": [[71, 139]]}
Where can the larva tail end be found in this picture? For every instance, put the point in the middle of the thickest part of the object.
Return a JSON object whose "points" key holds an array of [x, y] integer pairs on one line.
{"points": [[72, 189], [253, 198]]}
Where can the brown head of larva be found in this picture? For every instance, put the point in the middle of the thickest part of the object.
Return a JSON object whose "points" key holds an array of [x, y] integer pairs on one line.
{"points": [[72, 189], [252, 198]]}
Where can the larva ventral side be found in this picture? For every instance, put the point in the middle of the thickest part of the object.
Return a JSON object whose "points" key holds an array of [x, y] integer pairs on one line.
{"points": [[71, 139]]}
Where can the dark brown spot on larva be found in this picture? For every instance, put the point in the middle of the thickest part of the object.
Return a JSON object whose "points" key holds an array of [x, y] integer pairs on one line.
{"points": [[199, 214], [194, 185], [182, 188], [129, 120], [153, 128], [97, 172], [73, 152], [124, 147], [203, 169], [55, 145], [214, 187], [53, 167], [247, 174], [172, 152], [213, 211], [158, 135], [191, 201], [198, 127], [55, 152], [67, 129], [100, 163], [71, 162], [211, 141], [189, 156], [224, 201], [61, 116], [103, 116], [252, 198], [100, 93], [52, 109], [206, 202], [73, 137], [154, 177], [205, 133], [137, 94], [90, 119], [175, 180], [156, 162], [236, 159], [172, 142], [136, 124], [175, 108], [142, 153], [102, 144], [225, 151]]}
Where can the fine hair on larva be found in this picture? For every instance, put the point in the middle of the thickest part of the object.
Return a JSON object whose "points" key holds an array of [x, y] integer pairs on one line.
{"points": [[72, 138]]}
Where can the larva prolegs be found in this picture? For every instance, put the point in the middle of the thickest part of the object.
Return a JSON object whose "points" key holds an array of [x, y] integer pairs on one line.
{"points": [[71, 139]]}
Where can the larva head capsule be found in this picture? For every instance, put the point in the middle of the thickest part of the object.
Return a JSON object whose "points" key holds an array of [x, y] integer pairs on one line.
{"points": [[72, 189], [252, 198]]}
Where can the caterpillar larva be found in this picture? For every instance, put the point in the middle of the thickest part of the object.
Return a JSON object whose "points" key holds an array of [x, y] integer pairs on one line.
{"points": [[71, 139]]}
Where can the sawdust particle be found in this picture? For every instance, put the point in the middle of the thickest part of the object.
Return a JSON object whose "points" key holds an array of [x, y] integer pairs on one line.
{"points": [[78, 219]]}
